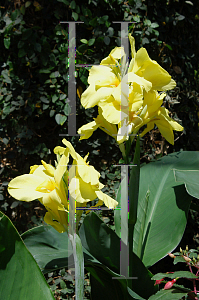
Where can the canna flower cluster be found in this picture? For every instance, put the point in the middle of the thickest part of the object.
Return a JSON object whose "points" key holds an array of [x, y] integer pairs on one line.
{"points": [[51, 185], [128, 96]]}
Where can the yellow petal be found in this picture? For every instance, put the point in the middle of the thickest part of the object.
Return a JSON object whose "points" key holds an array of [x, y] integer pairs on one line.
{"points": [[97, 73], [107, 127], [108, 201], [23, 187], [33, 168], [61, 167], [87, 130], [111, 110], [49, 170], [81, 191], [149, 127], [135, 97], [40, 171], [71, 149], [166, 130], [132, 43], [88, 174], [114, 55], [131, 77], [150, 70], [48, 218], [59, 150], [86, 98], [46, 187], [174, 124], [171, 85]]}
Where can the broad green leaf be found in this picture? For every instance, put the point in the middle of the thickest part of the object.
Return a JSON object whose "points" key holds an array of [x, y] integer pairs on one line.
{"points": [[191, 180], [104, 244], [183, 274], [162, 207], [20, 275], [49, 248], [173, 293], [106, 282]]}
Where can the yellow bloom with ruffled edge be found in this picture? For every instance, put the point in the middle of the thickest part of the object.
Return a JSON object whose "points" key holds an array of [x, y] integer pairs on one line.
{"points": [[85, 185], [113, 77], [153, 114], [45, 184]]}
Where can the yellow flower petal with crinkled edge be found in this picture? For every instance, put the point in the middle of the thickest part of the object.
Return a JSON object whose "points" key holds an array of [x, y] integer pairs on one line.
{"points": [[97, 73], [165, 114], [108, 201], [81, 191], [40, 171], [107, 127], [86, 172], [62, 166], [116, 54], [52, 201], [171, 85], [132, 43], [93, 96], [135, 97], [153, 101], [71, 149], [49, 170], [33, 168], [166, 130], [145, 84], [150, 70], [149, 127], [48, 218], [46, 187], [111, 110], [59, 150], [23, 187], [87, 130]]}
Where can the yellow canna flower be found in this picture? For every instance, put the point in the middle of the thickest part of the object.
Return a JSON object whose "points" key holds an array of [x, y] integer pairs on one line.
{"points": [[51, 186], [43, 184], [113, 86], [127, 97], [85, 185], [100, 122]]}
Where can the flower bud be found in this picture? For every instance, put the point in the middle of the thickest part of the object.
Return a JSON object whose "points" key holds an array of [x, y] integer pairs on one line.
{"points": [[181, 250], [187, 259], [171, 255], [169, 284], [158, 281], [187, 248]]}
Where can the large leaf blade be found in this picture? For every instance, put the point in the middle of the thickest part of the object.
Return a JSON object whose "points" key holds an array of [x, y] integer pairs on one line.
{"points": [[168, 204], [190, 179], [20, 275], [104, 244]]}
